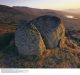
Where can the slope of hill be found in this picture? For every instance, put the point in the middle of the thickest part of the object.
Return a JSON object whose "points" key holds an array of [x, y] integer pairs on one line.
{"points": [[17, 13], [70, 23], [7, 9], [10, 15], [33, 12]]}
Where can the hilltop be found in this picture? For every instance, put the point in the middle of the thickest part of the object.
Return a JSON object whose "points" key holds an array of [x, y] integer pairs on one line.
{"points": [[69, 56]]}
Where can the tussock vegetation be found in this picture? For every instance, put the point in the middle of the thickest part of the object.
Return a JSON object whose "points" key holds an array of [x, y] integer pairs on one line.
{"points": [[67, 57]]}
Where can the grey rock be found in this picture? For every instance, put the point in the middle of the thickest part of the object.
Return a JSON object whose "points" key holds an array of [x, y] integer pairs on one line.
{"points": [[28, 39], [52, 30]]}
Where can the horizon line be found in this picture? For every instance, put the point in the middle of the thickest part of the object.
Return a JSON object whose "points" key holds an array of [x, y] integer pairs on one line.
{"points": [[38, 8]]}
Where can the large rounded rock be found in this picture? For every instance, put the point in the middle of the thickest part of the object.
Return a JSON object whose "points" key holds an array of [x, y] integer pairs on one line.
{"points": [[28, 40], [52, 30]]}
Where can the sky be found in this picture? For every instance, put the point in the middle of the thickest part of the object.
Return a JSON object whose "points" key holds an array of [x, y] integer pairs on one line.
{"points": [[44, 4]]}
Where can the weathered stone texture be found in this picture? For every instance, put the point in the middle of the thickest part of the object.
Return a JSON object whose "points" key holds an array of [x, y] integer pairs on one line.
{"points": [[44, 32], [28, 40], [52, 30]]}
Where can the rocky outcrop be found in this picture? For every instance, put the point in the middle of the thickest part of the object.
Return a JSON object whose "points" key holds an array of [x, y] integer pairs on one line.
{"points": [[28, 39], [52, 30], [45, 32]]}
